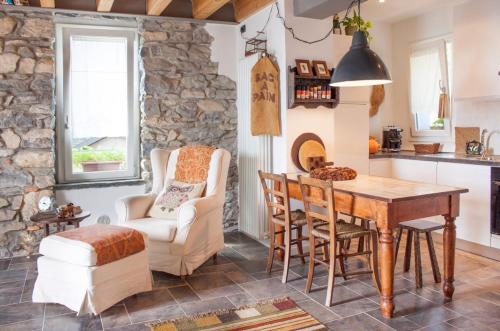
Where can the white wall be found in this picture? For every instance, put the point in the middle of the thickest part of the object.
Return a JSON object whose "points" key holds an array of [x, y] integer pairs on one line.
{"points": [[432, 25], [224, 48], [484, 114], [395, 109], [321, 120], [97, 201], [275, 34]]}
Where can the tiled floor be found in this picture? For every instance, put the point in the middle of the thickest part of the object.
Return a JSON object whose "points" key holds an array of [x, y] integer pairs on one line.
{"points": [[239, 278]]}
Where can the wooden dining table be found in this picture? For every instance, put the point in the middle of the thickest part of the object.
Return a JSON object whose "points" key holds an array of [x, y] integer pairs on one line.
{"points": [[388, 202]]}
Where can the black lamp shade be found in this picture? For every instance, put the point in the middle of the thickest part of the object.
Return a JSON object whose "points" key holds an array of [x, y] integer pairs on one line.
{"points": [[360, 66]]}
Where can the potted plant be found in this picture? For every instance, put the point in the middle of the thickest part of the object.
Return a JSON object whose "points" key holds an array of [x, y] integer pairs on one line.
{"points": [[89, 160], [357, 23], [336, 25]]}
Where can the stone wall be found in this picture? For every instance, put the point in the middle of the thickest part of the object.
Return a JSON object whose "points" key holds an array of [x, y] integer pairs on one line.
{"points": [[26, 124], [182, 98], [185, 101]]}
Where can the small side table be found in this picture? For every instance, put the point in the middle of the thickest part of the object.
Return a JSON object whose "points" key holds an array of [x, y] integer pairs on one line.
{"points": [[47, 221]]}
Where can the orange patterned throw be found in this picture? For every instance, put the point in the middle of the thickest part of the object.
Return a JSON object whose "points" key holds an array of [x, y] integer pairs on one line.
{"points": [[193, 164], [111, 243]]}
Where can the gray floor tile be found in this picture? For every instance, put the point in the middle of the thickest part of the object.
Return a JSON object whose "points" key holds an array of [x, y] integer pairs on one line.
{"points": [[239, 277], [205, 306], [267, 288], [72, 323], [8, 276], [162, 279], [10, 293], [440, 327], [318, 311], [54, 309], [358, 322], [242, 299], [399, 323], [30, 325], [477, 309], [209, 281], [149, 306], [115, 316], [20, 312], [132, 327], [464, 323], [183, 294], [218, 292], [432, 315], [4, 264]]}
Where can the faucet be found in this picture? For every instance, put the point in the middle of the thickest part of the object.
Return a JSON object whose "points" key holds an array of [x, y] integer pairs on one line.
{"points": [[487, 147]]}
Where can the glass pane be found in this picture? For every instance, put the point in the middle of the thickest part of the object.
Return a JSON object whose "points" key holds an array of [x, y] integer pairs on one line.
{"points": [[99, 103], [425, 66]]}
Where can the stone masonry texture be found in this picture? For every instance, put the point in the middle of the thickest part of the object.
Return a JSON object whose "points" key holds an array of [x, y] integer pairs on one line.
{"points": [[183, 101]]}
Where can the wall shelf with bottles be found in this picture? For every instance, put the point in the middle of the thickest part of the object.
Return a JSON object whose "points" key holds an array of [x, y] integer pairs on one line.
{"points": [[310, 92]]}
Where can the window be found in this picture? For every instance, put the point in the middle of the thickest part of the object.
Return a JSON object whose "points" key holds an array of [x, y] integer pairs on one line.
{"points": [[430, 77], [97, 113]]}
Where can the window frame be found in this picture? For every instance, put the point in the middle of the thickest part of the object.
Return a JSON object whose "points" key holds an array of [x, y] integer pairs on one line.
{"points": [[443, 41], [64, 168]]}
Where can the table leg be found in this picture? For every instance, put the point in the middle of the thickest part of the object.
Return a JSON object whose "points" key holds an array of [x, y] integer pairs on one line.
{"points": [[449, 237], [47, 230], [386, 241]]}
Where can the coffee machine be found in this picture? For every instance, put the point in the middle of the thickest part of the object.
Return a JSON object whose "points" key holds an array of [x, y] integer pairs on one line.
{"points": [[392, 139]]}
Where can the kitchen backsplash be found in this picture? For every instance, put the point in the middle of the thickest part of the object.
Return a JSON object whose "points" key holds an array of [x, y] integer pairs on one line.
{"points": [[483, 114]]}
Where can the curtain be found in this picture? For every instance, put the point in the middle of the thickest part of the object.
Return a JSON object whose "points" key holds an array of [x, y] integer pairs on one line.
{"points": [[425, 69]]}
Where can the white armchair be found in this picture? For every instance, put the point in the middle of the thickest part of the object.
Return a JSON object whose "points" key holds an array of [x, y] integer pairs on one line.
{"points": [[179, 246]]}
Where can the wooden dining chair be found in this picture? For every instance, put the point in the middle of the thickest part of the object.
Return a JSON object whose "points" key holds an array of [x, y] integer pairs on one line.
{"points": [[325, 228], [278, 204]]}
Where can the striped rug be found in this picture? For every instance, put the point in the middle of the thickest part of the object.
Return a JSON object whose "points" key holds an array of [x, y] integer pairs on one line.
{"points": [[281, 314]]}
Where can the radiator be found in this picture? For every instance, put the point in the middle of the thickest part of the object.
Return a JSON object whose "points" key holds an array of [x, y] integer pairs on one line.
{"points": [[255, 153]]}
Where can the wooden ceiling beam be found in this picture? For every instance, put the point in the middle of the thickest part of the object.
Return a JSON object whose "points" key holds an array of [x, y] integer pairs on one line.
{"points": [[243, 9], [48, 3], [104, 5], [202, 9], [156, 7]]}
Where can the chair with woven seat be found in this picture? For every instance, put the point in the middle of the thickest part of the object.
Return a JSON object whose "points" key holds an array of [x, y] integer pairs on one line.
{"points": [[279, 214], [414, 229], [323, 224]]}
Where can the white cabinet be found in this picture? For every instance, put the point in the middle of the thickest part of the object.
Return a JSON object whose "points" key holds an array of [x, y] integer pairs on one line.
{"points": [[381, 167], [476, 49], [473, 224], [413, 170]]}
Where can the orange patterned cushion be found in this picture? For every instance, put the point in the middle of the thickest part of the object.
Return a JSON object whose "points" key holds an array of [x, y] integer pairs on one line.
{"points": [[193, 164], [111, 243]]}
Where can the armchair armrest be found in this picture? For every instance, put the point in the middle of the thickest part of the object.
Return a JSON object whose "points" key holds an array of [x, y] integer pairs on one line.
{"points": [[191, 210], [133, 207]]}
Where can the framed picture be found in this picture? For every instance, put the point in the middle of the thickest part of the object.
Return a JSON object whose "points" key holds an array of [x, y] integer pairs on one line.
{"points": [[321, 69], [304, 68]]}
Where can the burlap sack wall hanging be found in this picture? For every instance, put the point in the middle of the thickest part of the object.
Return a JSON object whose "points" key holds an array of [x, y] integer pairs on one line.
{"points": [[265, 98]]}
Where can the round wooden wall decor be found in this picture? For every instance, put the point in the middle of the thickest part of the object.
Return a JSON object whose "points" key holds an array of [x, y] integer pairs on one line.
{"points": [[313, 145]]}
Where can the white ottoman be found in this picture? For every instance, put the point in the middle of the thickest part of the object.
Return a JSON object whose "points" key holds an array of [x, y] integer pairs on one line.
{"points": [[92, 268]]}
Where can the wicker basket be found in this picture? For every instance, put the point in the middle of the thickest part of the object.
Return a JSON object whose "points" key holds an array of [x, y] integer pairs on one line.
{"points": [[427, 148]]}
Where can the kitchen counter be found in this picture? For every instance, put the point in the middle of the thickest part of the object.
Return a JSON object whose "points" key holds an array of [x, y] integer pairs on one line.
{"points": [[493, 161]]}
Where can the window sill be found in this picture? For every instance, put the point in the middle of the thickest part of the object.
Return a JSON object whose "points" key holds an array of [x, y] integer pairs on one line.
{"points": [[99, 184]]}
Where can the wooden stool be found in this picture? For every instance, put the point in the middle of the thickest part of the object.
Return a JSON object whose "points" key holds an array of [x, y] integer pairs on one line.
{"points": [[417, 227]]}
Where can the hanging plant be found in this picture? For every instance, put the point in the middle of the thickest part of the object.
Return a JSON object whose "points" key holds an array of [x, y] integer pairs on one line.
{"points": [[357, 23]]}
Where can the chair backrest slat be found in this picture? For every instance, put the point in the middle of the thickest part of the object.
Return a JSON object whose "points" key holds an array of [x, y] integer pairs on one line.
{"points": [[318, 208], [276, 194]]}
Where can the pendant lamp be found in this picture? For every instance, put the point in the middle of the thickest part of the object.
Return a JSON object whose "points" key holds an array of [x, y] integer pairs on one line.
{"points": [[360, 66]]}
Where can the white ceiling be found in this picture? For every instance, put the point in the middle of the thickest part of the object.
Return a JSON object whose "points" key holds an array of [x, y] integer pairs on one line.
{"points": [[396, 10]]}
